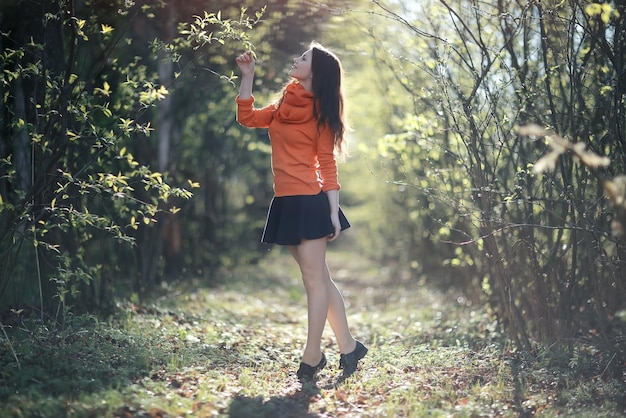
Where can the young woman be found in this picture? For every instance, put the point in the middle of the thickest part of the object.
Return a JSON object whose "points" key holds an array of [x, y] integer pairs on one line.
{"points": [[306, 127]]}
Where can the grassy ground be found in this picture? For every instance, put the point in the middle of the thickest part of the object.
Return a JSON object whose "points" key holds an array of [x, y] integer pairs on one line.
{"points": [[232, 351]]}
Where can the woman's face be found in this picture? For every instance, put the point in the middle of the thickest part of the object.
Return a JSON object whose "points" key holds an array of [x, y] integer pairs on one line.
{"points": [[301, 68]]}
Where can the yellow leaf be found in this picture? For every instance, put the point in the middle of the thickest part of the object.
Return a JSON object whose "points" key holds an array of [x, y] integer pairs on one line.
{"points": [[604, 90], [593, 9], [104, 29], [72, 135], [105, 90]]}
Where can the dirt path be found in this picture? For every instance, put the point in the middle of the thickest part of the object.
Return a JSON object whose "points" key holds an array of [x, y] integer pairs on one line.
{"points": [[417, 338]]}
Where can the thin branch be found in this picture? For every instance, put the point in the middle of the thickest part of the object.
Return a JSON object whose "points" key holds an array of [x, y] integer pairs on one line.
{"points": [[17, 360]]}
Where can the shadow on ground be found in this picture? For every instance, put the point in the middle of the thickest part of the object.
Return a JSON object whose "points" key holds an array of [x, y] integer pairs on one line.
{"points": [[295, 405]]}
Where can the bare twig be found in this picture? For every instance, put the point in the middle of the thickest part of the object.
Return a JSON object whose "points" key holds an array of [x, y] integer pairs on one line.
{"points": [[17, 360]]}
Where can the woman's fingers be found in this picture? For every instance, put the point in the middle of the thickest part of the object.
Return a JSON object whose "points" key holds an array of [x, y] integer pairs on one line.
{"points": [[335, 234], [246, 57]]}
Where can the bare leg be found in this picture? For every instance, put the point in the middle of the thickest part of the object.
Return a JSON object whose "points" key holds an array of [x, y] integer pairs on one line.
{"points": [[337, 317], [323, 300]]}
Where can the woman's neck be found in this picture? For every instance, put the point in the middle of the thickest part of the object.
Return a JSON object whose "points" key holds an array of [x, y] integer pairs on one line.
{"points": [[307, 84]]}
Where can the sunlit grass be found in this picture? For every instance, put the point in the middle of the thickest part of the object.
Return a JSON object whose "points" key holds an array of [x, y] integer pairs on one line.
{"points": [[233, 351]]}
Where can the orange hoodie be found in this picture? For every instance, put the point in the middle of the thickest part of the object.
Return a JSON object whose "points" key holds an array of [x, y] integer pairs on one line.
{"points": [[303, 159]]}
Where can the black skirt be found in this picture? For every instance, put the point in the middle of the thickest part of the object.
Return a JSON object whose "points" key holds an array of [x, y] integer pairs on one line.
{"points": [[290, 219]]}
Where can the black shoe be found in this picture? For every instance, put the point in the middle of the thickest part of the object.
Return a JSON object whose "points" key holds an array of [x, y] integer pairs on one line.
{"points": [[349, 362], [307, 372]]}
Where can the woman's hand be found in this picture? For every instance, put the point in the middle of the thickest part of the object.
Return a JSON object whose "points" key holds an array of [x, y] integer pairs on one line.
{"points": [[333, 202], [334, 219], [246, 63]]}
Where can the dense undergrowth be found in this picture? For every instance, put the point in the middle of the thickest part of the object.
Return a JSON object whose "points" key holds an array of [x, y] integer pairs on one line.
{"points": [[232, 351]]}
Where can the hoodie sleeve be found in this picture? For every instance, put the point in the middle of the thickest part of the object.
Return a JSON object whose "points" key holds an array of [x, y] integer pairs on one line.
{"points": [[327, 161], [250, 117]]}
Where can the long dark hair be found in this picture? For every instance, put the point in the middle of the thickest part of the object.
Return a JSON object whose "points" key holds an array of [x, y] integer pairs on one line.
{"points": [[328, 92], [328, 107]]}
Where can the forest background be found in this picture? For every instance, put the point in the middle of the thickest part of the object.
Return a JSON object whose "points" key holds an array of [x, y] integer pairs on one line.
{"points": [[488, 152]]}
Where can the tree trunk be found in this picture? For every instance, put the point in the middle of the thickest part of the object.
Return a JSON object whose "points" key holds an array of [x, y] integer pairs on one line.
{"points": [[163, 238]]}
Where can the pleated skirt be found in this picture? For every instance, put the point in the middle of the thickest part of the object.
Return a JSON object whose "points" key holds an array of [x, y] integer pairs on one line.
{"points": [[290, 219]]}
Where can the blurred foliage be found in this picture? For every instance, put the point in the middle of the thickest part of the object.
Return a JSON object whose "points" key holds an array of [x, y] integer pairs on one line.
{"points": [[77, 166], [113, 114], [465, 206]]}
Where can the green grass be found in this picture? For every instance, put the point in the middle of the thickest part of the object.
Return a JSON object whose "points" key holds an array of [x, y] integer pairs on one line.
{"points": [[231, 351]]}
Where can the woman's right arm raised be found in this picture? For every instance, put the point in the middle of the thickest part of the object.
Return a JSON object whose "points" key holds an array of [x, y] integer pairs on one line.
{"points": [[246, 63], [247, 115]]}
